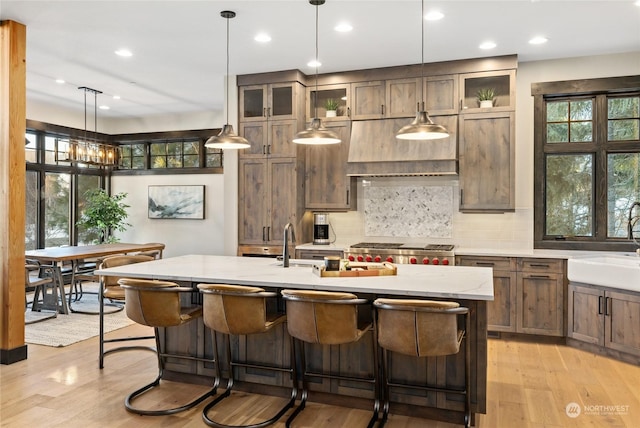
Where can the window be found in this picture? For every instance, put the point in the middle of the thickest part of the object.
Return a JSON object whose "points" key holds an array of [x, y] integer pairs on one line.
{"points": [[168, 152], [587, 162]]}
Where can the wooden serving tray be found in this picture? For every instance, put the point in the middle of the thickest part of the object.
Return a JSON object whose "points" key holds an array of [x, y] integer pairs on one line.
{"points": [[359, 269]]}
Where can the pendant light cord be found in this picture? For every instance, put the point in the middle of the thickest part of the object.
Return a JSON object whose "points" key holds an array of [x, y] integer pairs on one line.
{"points": [[316, 98], [227, 70], [422, 58]]}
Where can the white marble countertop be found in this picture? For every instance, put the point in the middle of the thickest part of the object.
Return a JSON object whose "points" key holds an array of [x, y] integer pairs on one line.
{"points": [[454, 282]]}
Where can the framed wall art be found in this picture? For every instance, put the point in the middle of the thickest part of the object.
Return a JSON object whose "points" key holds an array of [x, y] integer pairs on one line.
{"points": [[176, 202]]}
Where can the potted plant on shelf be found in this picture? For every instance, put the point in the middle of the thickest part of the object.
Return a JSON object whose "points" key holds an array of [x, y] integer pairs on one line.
{"points": [[486, 97], [102, 215], [331, 106]]}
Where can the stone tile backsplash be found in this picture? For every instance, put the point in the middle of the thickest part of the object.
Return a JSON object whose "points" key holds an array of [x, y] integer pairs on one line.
{"points": [[408, 211]]}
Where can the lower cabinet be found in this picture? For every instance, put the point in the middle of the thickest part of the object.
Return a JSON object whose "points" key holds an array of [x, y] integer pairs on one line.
{"points": [[528, 294], [605, 317], [317, 254]]}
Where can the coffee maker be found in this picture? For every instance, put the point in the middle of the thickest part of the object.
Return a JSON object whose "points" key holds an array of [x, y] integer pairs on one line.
{"points": [[320, 229]]}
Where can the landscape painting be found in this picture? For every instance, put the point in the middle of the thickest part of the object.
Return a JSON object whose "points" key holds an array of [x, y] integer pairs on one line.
{"points": [[180, 202]]}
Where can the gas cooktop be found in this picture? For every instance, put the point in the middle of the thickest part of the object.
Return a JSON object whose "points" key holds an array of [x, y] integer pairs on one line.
{"points": [[400, 246]]}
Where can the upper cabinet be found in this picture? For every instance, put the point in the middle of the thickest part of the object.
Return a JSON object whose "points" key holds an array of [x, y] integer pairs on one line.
{"points": [[270, 101], [332, 102], [502, 83], [402, 97], [441, 94], [269, 138], [368, 100]]}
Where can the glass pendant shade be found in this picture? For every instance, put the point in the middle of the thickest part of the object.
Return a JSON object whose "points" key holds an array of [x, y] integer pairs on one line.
{"points": [[422, 128], [227, 139], [316, 134]]}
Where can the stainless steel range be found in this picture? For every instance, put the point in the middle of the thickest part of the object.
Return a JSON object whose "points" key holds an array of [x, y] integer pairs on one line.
{"points": [[430, 254]]}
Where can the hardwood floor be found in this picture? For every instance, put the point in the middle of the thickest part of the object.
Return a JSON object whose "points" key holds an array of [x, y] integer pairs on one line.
{"points": [[529, 385]]}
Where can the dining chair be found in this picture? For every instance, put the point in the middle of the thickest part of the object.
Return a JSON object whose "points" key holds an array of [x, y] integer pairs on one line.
{"points": [[36, 281]]}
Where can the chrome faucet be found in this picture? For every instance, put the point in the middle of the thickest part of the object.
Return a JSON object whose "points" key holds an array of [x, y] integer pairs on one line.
{"points": [[633, 220], [286, 254]]}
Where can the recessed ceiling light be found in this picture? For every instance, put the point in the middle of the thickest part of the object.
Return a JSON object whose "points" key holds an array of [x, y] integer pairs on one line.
{"points": [[487, 45], [104, 107], [124, 52], [434, 15], [343, 27], [314, 63], [262, 38], [116, 97], [538, 40], [60, 81]]}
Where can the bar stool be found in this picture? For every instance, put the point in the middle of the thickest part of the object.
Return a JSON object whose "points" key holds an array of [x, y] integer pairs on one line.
{"points": [[157, 304], [422, 328], [241, 310], [328, 318], [111, 294]]}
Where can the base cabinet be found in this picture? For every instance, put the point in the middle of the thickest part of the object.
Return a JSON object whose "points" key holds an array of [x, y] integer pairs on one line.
{"points": [[528, 294], [605, 317]]}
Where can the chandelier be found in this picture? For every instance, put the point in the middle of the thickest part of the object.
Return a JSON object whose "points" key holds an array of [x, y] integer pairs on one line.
{"points": [[91, 151]]}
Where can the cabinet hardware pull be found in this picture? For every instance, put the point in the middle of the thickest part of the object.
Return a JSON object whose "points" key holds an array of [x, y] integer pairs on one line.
{"points": [[485, 264], [460, 103], [600, 305], [461, 197], [538, 276], [539, 265], [263, 234], [268, 111], [607, 306], [382, 109], [264, 149], [264, 112], [268, 149], [268, 233], [347, 196], [348, 111]]}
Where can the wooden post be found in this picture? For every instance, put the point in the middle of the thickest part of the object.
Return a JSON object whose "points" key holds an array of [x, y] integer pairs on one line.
{"points": [[13, 42]]}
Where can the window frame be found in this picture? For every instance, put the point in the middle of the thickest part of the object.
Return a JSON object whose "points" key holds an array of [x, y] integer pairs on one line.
{"points": [[599, 89]]}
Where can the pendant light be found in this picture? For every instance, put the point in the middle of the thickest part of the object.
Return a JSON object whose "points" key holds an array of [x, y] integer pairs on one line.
{"points": [[90, 151], [422, 127], [316, 133], [227, 138]]}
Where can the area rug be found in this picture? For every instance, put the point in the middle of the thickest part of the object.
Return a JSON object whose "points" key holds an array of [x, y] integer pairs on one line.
{"points": [[65, 330]]}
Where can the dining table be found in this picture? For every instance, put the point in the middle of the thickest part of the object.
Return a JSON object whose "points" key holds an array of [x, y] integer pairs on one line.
{"points": [[73, 255]]}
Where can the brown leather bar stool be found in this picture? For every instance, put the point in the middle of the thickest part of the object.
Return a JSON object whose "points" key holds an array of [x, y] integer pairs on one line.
{"points": [[422, 328], [111, 294], [328, 318], [157, 304], [241, 310]]}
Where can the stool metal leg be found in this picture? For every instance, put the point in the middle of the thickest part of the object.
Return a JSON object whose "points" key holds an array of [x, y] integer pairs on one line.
{"points": [[230, 381], [128, 401]]}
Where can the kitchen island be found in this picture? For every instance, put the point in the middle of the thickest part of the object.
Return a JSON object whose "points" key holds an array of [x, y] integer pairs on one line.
{"points": [[470, 286]]}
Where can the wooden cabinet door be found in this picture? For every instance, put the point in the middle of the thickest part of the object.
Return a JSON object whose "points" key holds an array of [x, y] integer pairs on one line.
{"points": [[253, 103], [256, 133], [368, 100], [280, 142], [402, 97], [327, 186], [281, 198], [501, 312], [622, 322], [540, 303], [252, 191], [441, 94], [281, 100], [585, 317], [487, 162]]}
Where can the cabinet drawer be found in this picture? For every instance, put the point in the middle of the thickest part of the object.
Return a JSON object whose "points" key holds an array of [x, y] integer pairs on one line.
{"points": [[497, 263], [541, 265]]}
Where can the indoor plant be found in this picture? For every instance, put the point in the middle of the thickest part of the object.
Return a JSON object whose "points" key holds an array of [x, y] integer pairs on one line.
{"points": [[331, 105], [103, 214], [486, 97]]}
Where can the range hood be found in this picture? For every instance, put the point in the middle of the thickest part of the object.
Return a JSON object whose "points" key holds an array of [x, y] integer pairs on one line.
{"points": [[375, 151]]}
